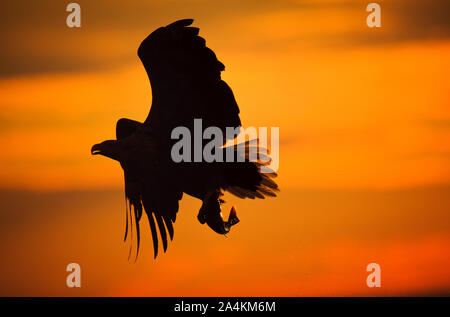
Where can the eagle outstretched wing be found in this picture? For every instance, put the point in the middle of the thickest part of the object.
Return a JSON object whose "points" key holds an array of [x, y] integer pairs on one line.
{"points": [[185, 79], [157, 197], [186, 84]]}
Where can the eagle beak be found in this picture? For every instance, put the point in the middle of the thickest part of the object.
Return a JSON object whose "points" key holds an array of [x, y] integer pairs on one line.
{"points": [[96, 149]]}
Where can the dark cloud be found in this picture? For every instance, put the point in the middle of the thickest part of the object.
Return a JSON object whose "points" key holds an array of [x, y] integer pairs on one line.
{"points": [[13, 121], [406, 20], [35, 39], [439, 124]]}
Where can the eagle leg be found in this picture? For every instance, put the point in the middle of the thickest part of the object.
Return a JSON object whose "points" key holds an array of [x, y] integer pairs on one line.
{"points": [[210, 213]]}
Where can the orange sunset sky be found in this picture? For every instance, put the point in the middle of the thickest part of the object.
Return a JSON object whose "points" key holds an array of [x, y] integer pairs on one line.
{"points": [[364, 171]]}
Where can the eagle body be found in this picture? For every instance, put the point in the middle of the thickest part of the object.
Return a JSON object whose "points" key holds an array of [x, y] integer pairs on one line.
{"points": [[186, 85]]}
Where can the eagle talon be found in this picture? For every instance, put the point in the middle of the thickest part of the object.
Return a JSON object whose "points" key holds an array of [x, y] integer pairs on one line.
{"points": [[201, 216], [210, 213]]}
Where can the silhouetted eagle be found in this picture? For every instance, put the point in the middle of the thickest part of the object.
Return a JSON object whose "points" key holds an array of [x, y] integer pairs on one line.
{"points": [[186, 85]]}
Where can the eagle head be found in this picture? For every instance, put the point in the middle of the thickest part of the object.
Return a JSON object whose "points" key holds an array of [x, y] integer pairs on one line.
{"points": [[108, 148]]}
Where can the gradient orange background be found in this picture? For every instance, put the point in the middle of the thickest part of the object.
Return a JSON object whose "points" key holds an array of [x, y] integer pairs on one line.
{"points": [[364, 151]]}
